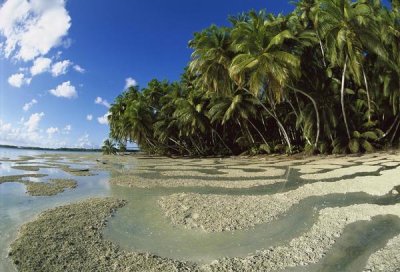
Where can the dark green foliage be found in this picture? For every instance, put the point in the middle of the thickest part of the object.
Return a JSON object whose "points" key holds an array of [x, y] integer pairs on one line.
{"points": [[322, 79], [109, 148]]}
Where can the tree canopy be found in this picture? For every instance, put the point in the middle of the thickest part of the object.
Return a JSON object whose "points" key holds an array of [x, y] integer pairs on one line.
{"points": [[323, 79]]}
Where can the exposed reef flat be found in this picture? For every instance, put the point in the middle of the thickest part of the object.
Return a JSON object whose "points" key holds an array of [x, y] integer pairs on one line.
{"points": [[386, 259], [311, 246], [232, 173], [223, 212], [141, 182], [49, 188], [69, 238], [17, 178]]}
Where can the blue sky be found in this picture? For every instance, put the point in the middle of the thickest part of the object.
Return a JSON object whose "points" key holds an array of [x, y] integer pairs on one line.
{"points": [[58, 58]]}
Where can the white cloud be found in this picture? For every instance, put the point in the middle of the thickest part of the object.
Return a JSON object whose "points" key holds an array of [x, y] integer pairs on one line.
{"points": [[89, 117], [60, 68], [33, 122], [79, 69], [20, 136], [18, 80], [51, 131], [84, 142], [4, 127], [67, 129], [65, 90], [129, 82], [32, 28], [40, 65], [29, 105], [103, 120], [17, 135], [101, 101]]}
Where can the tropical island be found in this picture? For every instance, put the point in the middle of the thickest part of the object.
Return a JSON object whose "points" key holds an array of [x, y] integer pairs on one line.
{"points": [[275, 151], [323, 79]]}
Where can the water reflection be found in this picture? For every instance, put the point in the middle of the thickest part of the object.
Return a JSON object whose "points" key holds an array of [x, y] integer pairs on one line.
{"points": [[16, 207]]}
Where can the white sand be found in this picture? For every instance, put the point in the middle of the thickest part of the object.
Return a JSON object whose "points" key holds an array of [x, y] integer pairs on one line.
{"points": [[387, 259], [311, 246], [223, 212]]}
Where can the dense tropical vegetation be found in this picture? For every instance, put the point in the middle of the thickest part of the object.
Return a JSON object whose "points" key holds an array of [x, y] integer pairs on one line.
{"points": [[322, 79]]}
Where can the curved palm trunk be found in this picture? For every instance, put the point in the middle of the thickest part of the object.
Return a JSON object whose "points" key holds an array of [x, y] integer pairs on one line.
{"points": [[249, 133], [281, 127], [223, 142], [195, 145], [395, 133], [180, 145], [316, 112], [390, 128], [342, 99], [149, 142], [263, 122], [297, 116], [243, 131], [258, 131], [368, 96], [322, 49]]}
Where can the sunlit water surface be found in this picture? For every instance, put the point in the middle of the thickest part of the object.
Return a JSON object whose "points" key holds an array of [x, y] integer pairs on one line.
{"points": [[16, 207]]}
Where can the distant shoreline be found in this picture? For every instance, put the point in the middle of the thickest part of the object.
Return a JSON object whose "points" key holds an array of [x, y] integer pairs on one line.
{"points": [[50, 149]]}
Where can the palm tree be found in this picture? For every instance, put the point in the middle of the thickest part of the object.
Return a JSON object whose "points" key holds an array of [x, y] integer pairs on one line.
{"points": [[348, 30], [262, 62], [211, 59], [139, 123], [109, 148], [285, 80], [390, 69], [122, 147], [239, 107]]}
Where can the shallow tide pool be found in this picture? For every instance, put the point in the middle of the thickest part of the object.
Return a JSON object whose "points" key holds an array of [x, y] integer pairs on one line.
{"points": [[16, 207]]}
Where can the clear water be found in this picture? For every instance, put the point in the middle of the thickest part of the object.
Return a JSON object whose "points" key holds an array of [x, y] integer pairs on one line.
{"points": [[16, 207], [141, 226]]}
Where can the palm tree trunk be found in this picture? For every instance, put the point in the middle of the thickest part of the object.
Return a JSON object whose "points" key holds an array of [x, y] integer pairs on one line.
{"points": [[281, 127], [223, 142], [390, 128], [254, 126], [368, 97], [263, 121], [178, 144], [322, 49], [395, 132], [342, 99], [248, 132], [149, 142], [242, 130], [316, 112], [297, 116], [194, 145]]}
